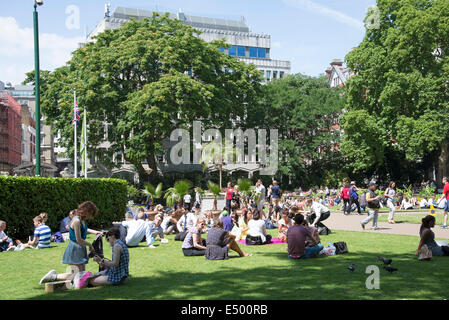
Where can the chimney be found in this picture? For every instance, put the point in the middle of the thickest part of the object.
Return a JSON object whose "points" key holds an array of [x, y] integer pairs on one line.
{"points": [[337, 62]]}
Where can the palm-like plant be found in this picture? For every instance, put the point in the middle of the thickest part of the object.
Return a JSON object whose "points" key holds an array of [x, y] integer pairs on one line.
{"points": [[215, 189], [177, 192], [245, 187], [154, 193]]}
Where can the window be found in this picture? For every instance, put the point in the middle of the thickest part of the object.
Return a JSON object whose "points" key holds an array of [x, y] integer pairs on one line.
{"points": [[221, 49], [275, 74], [241, 51], [261, 52], [233, 51], [281, 74], [268, 75], [253, 52]]}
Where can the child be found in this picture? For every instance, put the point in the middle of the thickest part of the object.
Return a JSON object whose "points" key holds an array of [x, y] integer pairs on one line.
{"points": [[42, 235], [6, 243]]}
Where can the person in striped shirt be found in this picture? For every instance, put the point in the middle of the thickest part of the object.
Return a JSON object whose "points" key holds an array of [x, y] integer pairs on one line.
{"points": [[42, 235]]}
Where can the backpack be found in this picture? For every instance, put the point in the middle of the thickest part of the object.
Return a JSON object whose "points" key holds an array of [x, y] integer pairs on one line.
{"points": [[98, 248], [363, 202], [57, 237], [341, 247], [353, 194]]}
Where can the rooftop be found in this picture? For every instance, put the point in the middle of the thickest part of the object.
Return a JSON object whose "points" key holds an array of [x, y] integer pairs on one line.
{"points": [[194, 21]]}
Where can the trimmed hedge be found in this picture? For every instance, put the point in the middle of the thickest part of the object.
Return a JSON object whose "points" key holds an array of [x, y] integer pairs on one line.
{"points": [[23, 198]]}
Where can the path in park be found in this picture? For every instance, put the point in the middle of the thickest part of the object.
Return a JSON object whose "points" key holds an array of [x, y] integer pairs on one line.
{"points": [[339, 221]]}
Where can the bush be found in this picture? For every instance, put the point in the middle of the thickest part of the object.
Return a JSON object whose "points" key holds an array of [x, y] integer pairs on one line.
{"points": [[22, 198]]}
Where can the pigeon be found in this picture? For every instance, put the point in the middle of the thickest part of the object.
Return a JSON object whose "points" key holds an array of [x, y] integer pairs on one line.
{"points": [[390, 269], [351, 268], [385, 261]]}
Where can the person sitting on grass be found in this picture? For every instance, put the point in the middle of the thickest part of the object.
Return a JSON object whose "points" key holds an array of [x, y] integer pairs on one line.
{"points": [[169, 223], [75, 254], [315, 236], [193, 245], [154, 231], [257, 231], [219, 241], [406, 204], [132, 231], [42, 235], [284, 224], [297, 238], [6, 243], [227, 220], [243, 223], [423, 204], [428, 238], [116, 271], [65, 223]]}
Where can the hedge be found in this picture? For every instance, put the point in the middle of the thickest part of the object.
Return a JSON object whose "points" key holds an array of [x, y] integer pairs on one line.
{"points": [[22, 198]]}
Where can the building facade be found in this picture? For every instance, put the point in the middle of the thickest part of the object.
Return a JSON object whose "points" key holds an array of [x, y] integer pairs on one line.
{"points": [[10, 133], [337, 74]]}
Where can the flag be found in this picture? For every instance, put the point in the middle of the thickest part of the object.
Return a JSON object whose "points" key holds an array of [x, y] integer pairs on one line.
{"points": [[76, 113], [83, 145]]}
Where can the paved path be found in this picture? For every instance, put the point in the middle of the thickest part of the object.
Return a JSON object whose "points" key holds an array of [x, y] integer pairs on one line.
{"points": [[339, 221]]}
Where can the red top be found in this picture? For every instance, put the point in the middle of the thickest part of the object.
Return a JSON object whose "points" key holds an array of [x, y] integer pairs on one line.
{"points": [[229, 193], [345, 193], [446, 190]]}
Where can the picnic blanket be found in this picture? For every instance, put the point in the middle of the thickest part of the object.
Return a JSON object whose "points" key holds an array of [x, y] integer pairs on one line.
{"points": [[273, 241]]}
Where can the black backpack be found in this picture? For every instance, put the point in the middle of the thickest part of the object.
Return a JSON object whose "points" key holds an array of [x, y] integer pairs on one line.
{"points": [[341, 247], [98, 248]]}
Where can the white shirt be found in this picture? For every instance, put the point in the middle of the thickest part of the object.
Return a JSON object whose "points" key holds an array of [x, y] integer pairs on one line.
{"points": [[2, 235], [318, 209], [257, 228], [190, 223], [165, 222], [423, 203], [136, 231], [187, 198], [406, 204], [261, 189]]}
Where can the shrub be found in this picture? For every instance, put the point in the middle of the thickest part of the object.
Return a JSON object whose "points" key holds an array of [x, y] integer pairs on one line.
{"points": [[22, 198]]}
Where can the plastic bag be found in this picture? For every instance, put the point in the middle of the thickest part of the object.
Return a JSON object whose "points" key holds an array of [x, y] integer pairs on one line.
{"points": [[329, 250]]}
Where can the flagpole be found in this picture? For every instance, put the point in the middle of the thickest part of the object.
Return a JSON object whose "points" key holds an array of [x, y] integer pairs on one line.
{"points": [[74, 115], [85, 143]]}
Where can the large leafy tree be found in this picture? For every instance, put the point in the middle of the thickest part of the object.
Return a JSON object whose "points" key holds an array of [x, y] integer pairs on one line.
{"points": [[398, 101], [305, 112], [146, 79]]}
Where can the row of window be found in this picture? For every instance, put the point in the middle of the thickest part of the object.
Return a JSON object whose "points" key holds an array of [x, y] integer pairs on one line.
{"points": [[248, 52], [269, 74]]}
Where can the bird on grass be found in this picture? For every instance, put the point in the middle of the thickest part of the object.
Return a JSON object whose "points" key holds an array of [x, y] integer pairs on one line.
{"points": [[385, 261], [351, 267], [390, 269]]}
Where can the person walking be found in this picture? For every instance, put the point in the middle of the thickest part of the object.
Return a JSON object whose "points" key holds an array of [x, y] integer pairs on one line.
{"points": [[390, 194], [446, 206], [344, 194], [373, 206], [275, 193], [229, 190], [354, 197]]}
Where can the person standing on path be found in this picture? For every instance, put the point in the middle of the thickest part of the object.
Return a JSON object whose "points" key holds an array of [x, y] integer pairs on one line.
{"points": [[344, 194], [373, 206], [229, 191], [354, 197], [446, 206], [275, 193], [260, 188], [390, 194]]}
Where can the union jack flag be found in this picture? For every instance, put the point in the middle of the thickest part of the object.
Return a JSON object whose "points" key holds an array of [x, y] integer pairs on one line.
{"points": [[76, 114]]}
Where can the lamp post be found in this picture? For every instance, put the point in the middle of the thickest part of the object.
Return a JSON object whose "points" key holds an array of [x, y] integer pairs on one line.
{"points": [[37, 87]]}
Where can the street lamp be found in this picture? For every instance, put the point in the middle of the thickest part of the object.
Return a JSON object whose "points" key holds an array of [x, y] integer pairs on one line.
{"points": [[37, 87]]}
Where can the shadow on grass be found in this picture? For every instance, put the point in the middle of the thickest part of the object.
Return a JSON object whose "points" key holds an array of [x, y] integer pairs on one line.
{"points": [[318, 278]]}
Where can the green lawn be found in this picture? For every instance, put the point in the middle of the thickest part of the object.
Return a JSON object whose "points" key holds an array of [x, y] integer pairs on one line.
{"points": [[412, 218], [164, 273]]}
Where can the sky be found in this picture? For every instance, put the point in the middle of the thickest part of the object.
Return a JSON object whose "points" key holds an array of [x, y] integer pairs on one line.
{"points": [[308, 33]]}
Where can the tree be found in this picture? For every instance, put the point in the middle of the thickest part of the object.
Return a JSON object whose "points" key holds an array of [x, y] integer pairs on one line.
{"points": [[305, 111], [177, 192], [152, 192], [215, 189], [144, 80], [398, 100]]}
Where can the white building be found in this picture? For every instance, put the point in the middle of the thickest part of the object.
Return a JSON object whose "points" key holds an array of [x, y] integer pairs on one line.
{"points": [[337, 74], [247, 46]]}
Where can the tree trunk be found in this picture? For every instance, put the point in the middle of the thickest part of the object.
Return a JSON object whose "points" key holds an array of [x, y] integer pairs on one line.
{"points": [[215, 204], [443, 162]]}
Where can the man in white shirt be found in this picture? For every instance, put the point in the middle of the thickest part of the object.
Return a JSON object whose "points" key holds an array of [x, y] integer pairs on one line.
{"points": [[423, 204], [260, 188], [318, 213], [135, 230], [187, 221]]}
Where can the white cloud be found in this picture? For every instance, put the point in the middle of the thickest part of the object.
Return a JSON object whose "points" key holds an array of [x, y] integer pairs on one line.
{"points": [[325, 11], [17, 50]]}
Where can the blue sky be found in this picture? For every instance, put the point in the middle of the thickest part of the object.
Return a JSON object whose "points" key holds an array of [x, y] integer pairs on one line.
{"points": [[309, 33]]}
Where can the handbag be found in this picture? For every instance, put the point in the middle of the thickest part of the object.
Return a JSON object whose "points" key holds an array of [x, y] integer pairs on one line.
{"points": [[425, 253], [233, 204], [323, 231], [252, 241], [341, 247]]}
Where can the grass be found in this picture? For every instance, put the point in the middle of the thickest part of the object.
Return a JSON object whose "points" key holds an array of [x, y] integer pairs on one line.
{"points": [[412, 218], [164, 273]]}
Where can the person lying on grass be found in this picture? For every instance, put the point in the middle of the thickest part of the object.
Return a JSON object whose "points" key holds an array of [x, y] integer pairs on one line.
{"points": [[219, 241], [428, 238], [297, 237], [193, 245]]}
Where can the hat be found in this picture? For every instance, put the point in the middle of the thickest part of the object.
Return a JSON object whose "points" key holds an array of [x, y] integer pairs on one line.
{"points": [[372, 183], [224, 213]]}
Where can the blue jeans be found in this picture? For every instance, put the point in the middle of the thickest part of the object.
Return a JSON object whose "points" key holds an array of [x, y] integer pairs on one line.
{"points": [[311, 252]]}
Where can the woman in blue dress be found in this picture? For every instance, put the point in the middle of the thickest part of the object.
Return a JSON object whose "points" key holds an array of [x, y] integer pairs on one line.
{"points": [[75, 254]]}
